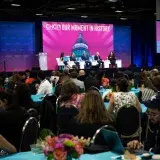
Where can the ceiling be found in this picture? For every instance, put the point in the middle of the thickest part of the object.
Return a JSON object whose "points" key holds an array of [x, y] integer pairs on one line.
{"points": [[104, 9]]}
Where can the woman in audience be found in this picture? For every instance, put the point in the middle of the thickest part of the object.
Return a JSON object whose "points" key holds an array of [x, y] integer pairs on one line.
{"points": [[12, 119], [70, 94], [31, 78], [123, 97], [6, 146], [92, 115], [23, 96]]}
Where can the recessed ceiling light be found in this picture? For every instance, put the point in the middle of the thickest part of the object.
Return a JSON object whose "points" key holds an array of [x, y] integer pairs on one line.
{"points": [[71, 8], [123, 18], [84, 16], [15, 5], [39, 14], [113, 1], [118, 11]]}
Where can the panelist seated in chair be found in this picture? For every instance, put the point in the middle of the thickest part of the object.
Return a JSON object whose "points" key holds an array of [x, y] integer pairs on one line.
{"points": [[62, 56], [73, 57], [112, 58], [97, 57], [84, 57]]}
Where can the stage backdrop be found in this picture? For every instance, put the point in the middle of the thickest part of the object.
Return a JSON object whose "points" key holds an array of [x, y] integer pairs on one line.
{"points": [[76, 37], [17, 45], [158, 36]]}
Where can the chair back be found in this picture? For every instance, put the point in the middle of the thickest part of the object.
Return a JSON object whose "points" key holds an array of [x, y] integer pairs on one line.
{"points": [[128, 122], [29, 134], [64, 115], [97, 137], [33, 113]]}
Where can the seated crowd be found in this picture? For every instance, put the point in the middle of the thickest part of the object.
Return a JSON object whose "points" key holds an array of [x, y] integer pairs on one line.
{"points": [[78, 103]]}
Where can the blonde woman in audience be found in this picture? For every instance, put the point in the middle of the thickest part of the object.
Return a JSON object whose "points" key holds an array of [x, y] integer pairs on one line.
{"points": [[70, 94], [123, 97], [92, 115]]}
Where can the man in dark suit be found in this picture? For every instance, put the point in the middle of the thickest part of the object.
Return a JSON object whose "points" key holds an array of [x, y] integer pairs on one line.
{"points": [[84, 57], [73, 57], [98, 59]]}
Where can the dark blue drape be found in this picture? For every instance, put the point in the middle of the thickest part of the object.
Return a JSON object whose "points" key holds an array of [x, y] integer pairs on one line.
{"points": [[143, 43]]}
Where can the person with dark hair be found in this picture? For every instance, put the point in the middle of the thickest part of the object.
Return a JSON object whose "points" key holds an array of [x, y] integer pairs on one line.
{"points": [[70, 94], [73, 57], [152, 135], [92, 115], [12, 118], [78, 83], [112, 58], [31, 78], [123, 97], [91, 80], [45, 86], [62, 56], [23, 96]]}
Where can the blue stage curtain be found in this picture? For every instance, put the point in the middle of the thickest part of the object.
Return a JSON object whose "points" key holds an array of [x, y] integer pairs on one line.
{"points": [[143, 43]]}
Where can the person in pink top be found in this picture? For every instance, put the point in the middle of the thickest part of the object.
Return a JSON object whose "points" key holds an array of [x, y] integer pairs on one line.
{"points": [[70, 95]]}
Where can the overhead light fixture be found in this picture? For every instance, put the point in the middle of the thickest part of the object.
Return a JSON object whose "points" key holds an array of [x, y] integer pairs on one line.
{"points": [[123, 18], [112, 1], [71, 8], [39, 14], [84, 16], [118, 11], [15, 5]]}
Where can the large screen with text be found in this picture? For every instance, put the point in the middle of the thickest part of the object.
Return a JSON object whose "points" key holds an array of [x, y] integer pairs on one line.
{"points": [[76, 37], [158, 36], [17, 45]]}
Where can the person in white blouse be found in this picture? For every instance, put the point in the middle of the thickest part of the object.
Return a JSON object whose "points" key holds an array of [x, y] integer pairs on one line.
{"points": [[45, 86]]}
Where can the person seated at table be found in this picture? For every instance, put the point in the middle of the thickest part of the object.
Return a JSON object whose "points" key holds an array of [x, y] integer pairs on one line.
{"points": [[31, 78], [23, 95], [62, 56], [97, 57], [92, 116], [45, 86], [6, 146], [78, 83], [12, 119], [82, 75], [152, 137], [70, 94], [91, 80], [122, 97], [112, 58], [55, 77]]}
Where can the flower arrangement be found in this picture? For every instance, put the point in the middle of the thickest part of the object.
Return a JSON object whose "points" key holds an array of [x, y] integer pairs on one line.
{"points": [[64, 147]]}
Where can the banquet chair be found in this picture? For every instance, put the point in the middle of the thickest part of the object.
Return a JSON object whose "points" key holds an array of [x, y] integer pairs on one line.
{"points": [[29, 134], [96, 139], [33, 113], [128, 123], [64, 115]]}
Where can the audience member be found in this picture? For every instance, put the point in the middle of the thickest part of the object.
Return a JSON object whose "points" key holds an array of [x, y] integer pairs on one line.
{"points": [[6, 146], [55, 77], [91, 80], [45, 86], [82, 75], [12, 119], [78, 83], [23, 96], [70, 94], [123, 97], [92, 115], [152, 141], [31, 78]]}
